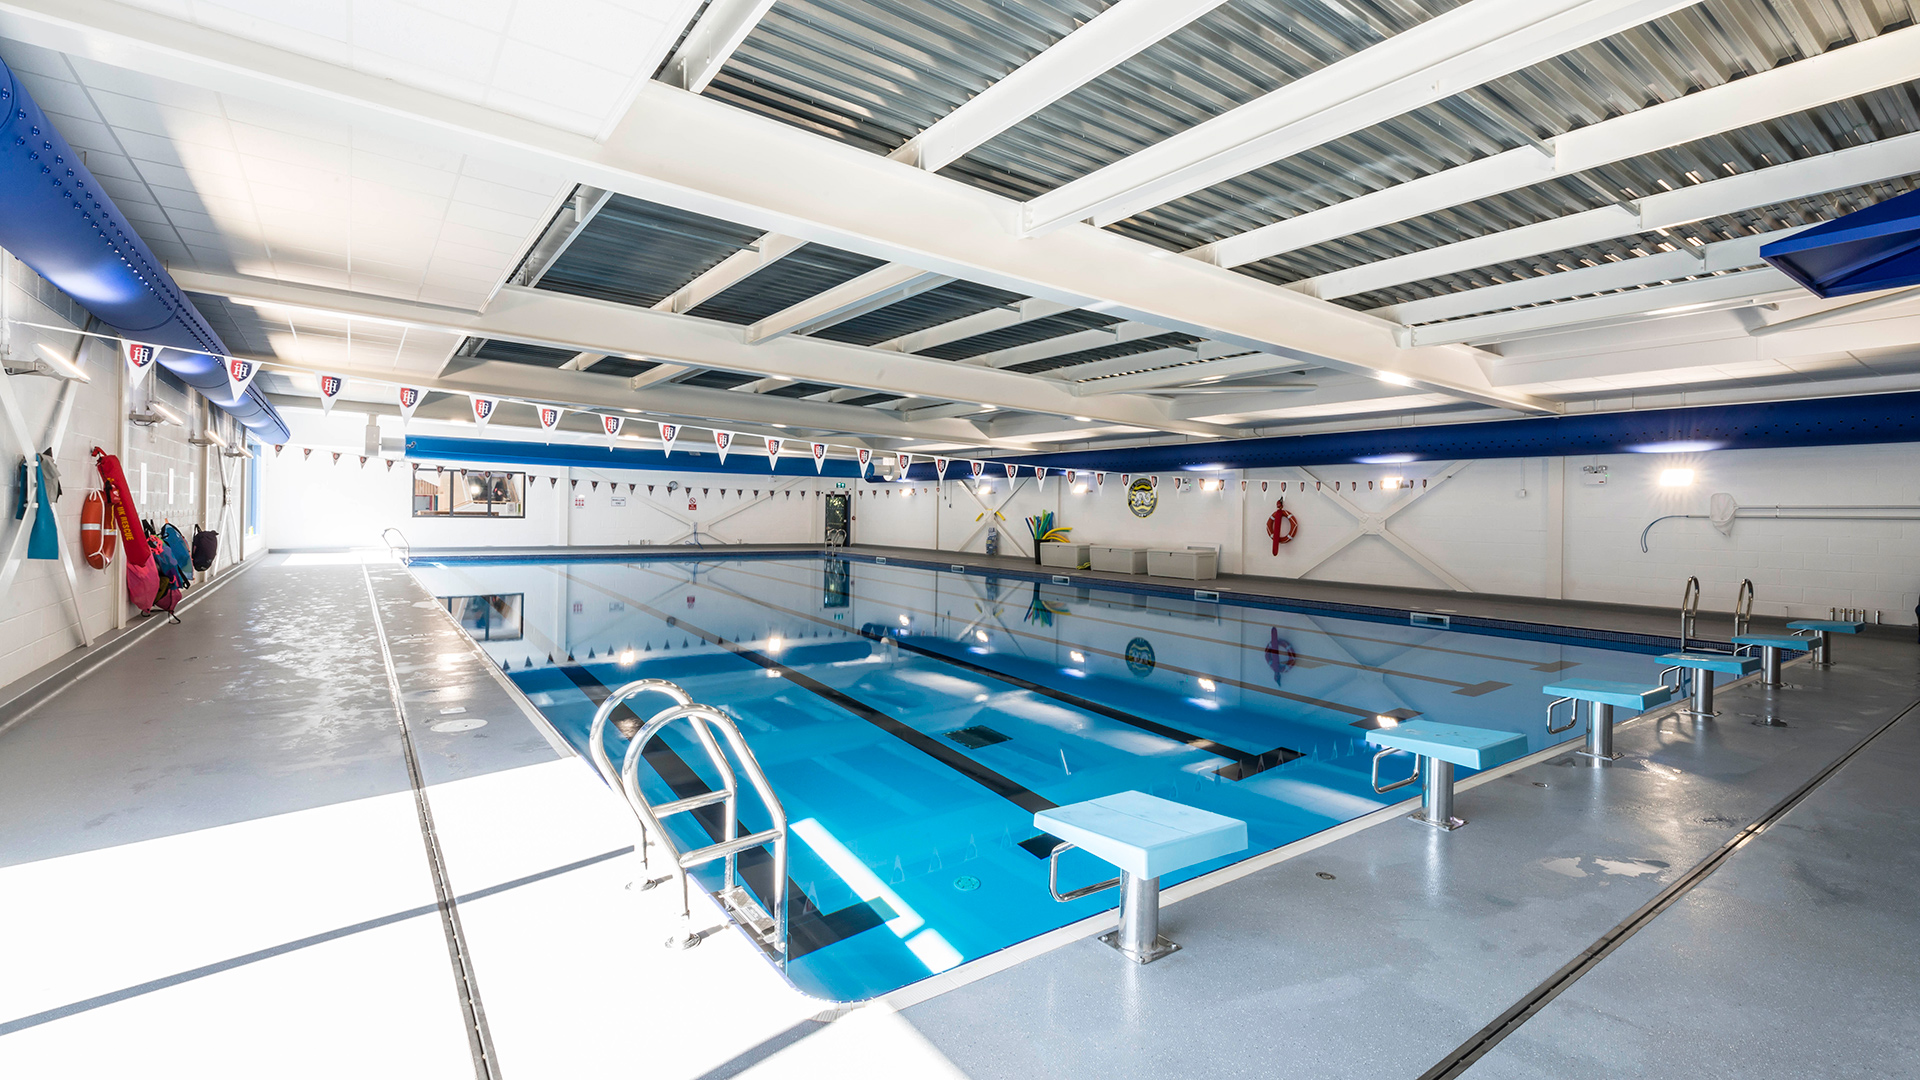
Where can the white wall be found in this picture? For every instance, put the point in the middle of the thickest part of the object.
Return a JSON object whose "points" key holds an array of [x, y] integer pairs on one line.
{"points": [[37, 621], [1473, 529]]}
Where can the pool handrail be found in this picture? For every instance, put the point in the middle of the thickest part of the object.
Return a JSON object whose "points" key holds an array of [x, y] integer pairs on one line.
{"points": [[1689, 610], [404, 548], [596, 738], [704, 719], [1742, 608]]}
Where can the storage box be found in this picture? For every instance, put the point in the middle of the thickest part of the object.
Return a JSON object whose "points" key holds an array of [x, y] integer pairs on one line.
{"points": [[1192, 565], [1118, 560], [1069, 555]]}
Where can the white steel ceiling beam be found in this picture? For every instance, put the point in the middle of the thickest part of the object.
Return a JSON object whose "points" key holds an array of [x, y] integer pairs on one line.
{"points": [[711, 42], [985, 322], [1840, 169], [1098, 46], [1790, 88], [731, 271], [1737, 254], [560, 320], [1158, 359], [1452, 52], [1744, 287], [707, 157], [1060, 345], [1186, 374], [875, 289]]}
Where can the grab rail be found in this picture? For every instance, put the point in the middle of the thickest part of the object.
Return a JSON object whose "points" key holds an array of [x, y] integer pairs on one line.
{"points": [[1689, 610], [597, 747], [404, 547], [1053, 877], [1398, 784], [1573, 718], [1743, 607], [704, 719]]}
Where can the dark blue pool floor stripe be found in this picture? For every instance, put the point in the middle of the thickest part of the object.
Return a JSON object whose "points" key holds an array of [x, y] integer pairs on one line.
{"points": [[1243, 763], [808, 928]]}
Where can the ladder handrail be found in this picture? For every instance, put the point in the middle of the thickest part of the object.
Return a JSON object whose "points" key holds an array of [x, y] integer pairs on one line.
{"points": [[704, 719], [1689, 610], [596, 738], [1743, 607], [403, 545]]}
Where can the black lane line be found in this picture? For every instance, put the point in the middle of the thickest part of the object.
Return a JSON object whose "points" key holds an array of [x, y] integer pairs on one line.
{"points": [[191, 974], [1483, 1041], [486, 1062], [1546, 666], [1244, 763], [808, 928], [1005, 787], [1258, 688]]}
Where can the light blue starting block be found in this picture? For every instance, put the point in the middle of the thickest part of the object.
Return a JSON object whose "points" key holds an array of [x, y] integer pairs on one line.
{"points": [[1820, 632], [1437, 748], [1702, 667], [1770, 646], [1145, 836], [1602, 697]]}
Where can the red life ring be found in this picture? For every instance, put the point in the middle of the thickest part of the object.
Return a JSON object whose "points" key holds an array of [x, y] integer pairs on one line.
{"points": [[1282, 526], [1280, 654], [98, 540]]}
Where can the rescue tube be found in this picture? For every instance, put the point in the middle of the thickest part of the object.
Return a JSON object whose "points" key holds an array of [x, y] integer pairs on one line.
{"points": [[125, 514], [97, 538]]}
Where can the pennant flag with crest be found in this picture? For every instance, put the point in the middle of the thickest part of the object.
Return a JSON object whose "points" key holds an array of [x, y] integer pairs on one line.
{"points": [[1099, 480], [612, 425], [139, 359], [978, 467], [865, 455], [940, 467], [668, 433], [1040, 475], [549, 417], [819, 457], [330, 387], [409, 400], [1012, 469], [721, 441], [1069, 477], [773, 453], [240, 375], [902, 462], [482, 410]]}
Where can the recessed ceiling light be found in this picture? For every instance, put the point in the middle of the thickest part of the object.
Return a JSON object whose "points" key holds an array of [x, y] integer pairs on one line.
{"points": [[1084, 419]]}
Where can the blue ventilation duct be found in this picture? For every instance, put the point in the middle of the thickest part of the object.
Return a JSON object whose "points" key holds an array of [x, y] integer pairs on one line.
{"points": [[55, 217], [1867, 250], [1839, 421], [743, 460]]}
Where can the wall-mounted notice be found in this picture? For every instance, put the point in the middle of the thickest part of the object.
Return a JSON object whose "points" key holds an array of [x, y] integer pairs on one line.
{"points": [[619, 500]]}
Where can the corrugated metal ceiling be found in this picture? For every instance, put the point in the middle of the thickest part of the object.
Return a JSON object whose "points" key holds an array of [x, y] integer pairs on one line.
{"points": [[637, 252], [813, 269], [956, 300]]}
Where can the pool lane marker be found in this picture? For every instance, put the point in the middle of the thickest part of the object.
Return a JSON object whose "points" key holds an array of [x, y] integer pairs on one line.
{"points": [[1259, 688], [1242, 763], [486, 1065], [1547, 666], [808, 928], [1467, 1053]]}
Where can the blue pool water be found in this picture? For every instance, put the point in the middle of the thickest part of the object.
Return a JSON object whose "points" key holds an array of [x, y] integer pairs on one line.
{"points": [[912, 721]]}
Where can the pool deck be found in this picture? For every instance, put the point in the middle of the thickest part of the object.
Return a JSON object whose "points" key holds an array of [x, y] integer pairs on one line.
{"points": [[242, 831]]}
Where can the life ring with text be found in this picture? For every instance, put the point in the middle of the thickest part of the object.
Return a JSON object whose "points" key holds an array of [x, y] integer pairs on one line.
{"points": [[1282, 527], [97, 538]]}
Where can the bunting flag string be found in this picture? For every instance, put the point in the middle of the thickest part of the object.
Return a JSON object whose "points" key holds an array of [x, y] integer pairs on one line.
{"points": [[482, 410], [240, 375], [330, 387], [139, 360]]}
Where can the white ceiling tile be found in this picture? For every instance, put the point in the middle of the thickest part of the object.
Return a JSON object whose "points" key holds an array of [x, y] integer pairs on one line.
{"points": [[480, 217], [316, 28], [173, 176], [469, 298], [474, 256], [87, 136], [608, 36], [126, 194], [148, 147], [548, 184], [513, 200], [27, 59], [382, 145], [405, 175], [58, 97], [103, 164], [489, 15], [306, 125], [297, 151], [543, 75], [503, 243]]}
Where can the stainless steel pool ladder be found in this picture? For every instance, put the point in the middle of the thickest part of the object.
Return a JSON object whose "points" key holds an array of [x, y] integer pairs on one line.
{"points": [[769, 927], [1689, 610], [403, 549], [1743, 613]]}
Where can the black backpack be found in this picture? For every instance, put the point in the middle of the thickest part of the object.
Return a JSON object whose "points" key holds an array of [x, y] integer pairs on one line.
{"points": [[206, 546]]}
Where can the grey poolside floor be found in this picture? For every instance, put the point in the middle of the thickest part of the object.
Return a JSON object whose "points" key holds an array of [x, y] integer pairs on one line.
{"points": [[243, 849]]}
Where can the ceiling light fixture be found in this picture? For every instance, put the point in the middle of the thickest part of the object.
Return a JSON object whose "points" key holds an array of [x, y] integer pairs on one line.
{"points": [[61, 365]]}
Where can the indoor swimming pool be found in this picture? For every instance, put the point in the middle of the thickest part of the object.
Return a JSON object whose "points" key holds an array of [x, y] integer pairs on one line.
{"points": [[912, 720]]}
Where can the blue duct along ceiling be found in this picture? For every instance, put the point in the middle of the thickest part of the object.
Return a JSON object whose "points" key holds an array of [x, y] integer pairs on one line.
{"points": [[55, 217], [1844, 421], [1865, 251]]}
